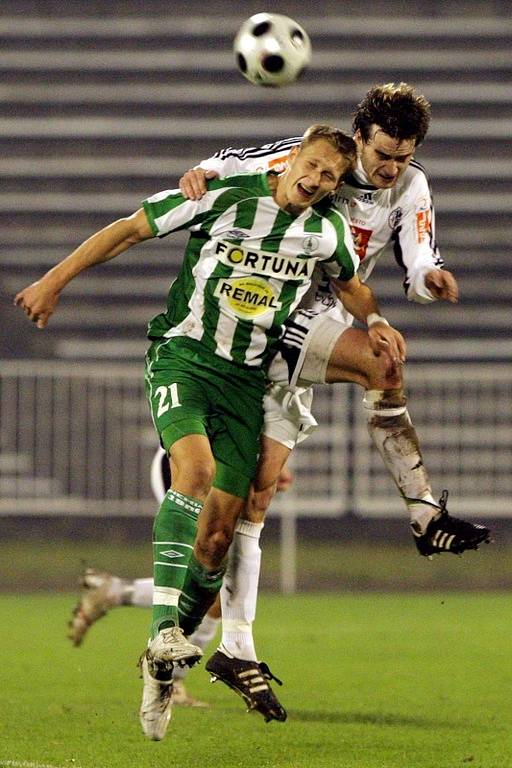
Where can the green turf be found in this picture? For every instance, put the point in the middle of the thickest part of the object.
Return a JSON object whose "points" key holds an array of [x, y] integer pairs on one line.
{"points": [[371, 681], [32, 565]]}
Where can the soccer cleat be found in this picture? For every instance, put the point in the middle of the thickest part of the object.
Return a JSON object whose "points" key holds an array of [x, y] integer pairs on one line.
{"points": [[94, 602], [182, 698], [250, 680], [168, 648], [448, 534], [155, 709]]}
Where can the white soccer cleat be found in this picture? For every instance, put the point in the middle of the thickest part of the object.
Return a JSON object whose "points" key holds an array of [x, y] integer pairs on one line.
{"points": [[182, 698], [169, 648], [155, 710], [94, 602]]}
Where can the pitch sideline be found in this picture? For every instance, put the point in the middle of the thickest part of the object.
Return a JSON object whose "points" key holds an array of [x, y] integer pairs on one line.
{"points": [[25, 764]]}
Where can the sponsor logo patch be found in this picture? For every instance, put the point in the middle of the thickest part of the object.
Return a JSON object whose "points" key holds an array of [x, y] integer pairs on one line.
{"points": [[278, 163], [247, 297], [264, 263], [422, 225]]}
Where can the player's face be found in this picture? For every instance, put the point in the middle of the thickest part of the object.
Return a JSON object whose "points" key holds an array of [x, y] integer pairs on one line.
{"points": [[384, 158], [313, 172]]}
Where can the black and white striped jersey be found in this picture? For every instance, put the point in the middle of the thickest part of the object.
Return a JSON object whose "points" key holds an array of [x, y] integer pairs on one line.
{"points": [[401, 217]]}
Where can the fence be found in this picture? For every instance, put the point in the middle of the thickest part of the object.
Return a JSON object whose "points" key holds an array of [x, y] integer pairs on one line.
{"points": [[77, 439]]}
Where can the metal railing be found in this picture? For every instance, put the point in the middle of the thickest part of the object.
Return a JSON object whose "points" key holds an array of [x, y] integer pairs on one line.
{"points": [[77, 438]]}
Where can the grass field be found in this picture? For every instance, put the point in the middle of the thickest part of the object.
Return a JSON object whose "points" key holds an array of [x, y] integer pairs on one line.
{"points": [[34, 564], [371, 681]]}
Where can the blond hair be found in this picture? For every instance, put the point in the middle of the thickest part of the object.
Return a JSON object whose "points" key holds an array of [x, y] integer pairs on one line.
{"points": [[342, 143]]}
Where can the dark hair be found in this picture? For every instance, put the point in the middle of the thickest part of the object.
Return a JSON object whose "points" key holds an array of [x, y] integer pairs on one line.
{"points": [[397, 109], [342, 143]]}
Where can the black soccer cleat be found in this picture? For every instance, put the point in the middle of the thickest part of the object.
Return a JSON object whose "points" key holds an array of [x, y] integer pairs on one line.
{"points": [[448, 534], [250, 680]]}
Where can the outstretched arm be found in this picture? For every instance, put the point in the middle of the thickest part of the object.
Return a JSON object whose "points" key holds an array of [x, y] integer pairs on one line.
{"points": [[360, 301], [40, 299]]}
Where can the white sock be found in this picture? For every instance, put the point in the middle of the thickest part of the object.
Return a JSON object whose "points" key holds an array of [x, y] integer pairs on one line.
{"points": [[394, 436], [115, 590], [422, 514], [204, 633], [239, 592], [142, 594]]}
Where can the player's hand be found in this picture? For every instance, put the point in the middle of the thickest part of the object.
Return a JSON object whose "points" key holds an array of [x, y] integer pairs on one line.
{"points": [[442, 285], [38, 301], [386, 340], [193, 182]]}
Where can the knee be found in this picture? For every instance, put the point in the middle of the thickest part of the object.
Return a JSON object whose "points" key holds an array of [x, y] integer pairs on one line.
{"points": [[204, 474], [196, 478], [383, 374]]}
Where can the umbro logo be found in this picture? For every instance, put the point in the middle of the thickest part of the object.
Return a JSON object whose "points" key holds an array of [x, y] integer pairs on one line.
{"points": [[237, 234], [172, 553]]}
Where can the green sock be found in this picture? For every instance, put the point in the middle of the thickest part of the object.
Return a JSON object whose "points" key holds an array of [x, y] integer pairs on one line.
{"points": [[174, 532], [198, 593]]}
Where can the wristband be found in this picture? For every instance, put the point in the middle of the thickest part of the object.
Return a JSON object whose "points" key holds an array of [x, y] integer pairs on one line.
{"points": [[373, 318]]}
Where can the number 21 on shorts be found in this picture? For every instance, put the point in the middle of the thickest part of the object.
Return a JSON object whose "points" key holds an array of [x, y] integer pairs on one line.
{"points": [[167, 398]]}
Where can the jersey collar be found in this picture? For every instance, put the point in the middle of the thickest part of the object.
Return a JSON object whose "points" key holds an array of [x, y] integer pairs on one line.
{"points": [[359, 179]]}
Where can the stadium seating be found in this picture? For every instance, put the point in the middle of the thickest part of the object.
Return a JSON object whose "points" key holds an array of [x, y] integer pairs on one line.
{"points": [[97, 111], [102, 104]]}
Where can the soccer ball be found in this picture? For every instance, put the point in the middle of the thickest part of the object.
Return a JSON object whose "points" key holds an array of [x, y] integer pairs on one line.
{"points": [[271, 49]]}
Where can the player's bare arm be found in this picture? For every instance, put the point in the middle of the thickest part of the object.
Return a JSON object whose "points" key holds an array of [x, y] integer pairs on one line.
{"points": [[193, 182], [360, 301], [40, 299], [442, 284]]}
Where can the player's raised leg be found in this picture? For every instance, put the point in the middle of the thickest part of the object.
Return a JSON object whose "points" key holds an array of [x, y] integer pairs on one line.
{"points": [[100, 593], [395, 437]]}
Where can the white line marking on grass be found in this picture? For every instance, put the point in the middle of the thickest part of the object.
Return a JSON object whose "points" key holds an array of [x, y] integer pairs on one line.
{"points": [[25, 764]]}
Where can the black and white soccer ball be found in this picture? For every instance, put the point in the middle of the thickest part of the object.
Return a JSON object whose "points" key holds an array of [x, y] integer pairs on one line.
{"points": [[271, 49]]}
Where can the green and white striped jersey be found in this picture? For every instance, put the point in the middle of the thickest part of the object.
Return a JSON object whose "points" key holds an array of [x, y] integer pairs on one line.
{"points": [[247, 264]]}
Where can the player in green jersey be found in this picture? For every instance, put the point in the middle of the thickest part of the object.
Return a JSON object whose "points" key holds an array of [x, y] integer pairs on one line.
{"points": [[254, 243], [387, 202]]}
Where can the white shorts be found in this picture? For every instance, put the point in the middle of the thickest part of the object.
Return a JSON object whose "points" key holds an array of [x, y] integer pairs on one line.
{"points": [[302, 361], [288, 418], [305, 348]]}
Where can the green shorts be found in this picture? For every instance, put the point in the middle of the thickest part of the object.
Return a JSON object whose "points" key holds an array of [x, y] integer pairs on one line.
{"points": [[194, 392]]}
